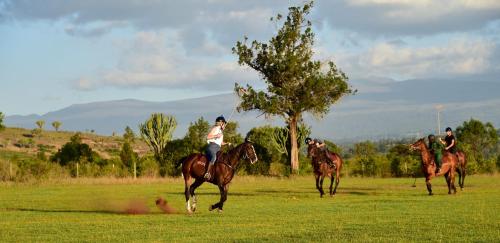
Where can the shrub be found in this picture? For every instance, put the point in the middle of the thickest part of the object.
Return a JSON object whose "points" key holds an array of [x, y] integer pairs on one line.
{"points": [[278, 169]]}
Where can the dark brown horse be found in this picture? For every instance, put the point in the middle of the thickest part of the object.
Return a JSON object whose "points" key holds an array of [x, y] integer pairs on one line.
{"points": [[448, 167], [224, 168], [322, 168]]}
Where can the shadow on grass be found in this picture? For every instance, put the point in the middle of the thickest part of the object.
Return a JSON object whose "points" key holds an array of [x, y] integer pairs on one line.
{"points": [[38, 210]]}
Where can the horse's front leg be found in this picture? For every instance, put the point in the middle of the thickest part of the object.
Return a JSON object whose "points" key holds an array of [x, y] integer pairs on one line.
{"points": [[316, 177], [429, 186], [223, 198]]}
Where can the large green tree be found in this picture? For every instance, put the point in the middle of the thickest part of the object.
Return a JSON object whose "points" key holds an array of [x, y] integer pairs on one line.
{"points": [[482, 138], [157, 132], [196, 135], [295, 82], [231, 134], [128, 157]]}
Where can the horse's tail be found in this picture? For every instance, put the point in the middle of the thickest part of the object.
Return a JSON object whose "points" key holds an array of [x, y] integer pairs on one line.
{"points": [[181, 161], [462, 160]]}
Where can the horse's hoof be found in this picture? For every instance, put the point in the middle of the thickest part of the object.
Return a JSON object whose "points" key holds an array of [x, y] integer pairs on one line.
{"points": [[219, 210], [210, 208], [430, 194]]}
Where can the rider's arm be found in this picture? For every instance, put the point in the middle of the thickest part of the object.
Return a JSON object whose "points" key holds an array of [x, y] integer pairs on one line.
{"points": [[451, 145], [442, 141], [214, 133]]}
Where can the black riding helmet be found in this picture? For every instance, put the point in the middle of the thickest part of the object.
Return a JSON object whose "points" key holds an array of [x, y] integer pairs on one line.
{"points": [[308, 140], [220, 118], [448, 129]]}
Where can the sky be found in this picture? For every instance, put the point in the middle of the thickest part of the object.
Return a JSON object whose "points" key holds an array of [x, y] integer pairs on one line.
{"points": [[56, 53]]}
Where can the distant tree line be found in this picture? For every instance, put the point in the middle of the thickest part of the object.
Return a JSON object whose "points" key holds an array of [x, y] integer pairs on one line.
{"points": [[383, 158]]}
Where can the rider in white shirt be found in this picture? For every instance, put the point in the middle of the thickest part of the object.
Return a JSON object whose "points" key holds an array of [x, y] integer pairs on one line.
{"points": [[215, 140]]}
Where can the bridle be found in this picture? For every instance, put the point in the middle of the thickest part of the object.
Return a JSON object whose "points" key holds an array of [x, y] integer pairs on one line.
{"points": [[246, 156]]}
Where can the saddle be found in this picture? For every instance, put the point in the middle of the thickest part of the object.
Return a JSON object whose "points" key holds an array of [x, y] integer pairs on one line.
{"points": [[204, 161]]}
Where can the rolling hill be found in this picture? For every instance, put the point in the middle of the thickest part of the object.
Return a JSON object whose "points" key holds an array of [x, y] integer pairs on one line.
{"points": [[381, 110]]}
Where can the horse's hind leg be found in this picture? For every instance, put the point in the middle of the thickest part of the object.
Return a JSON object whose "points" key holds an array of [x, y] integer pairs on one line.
{"points": [[461, 181], [452, 180], [460, 177], [321, 186], [337, 181], [331, 184], [448, 181], [187, 182], [193, 187]]}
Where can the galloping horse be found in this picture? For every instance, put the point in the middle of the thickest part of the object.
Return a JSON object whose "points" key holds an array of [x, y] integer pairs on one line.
{"points": [[193, 166], [322, 169], [448, 167]]}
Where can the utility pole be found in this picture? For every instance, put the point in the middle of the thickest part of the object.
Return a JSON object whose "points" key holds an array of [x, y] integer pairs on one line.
{"points": [[438, 108]]}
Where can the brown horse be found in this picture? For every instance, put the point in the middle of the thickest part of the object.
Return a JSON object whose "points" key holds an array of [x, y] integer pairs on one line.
{"points": [[322, 168], [193, 166], [448, 167]]}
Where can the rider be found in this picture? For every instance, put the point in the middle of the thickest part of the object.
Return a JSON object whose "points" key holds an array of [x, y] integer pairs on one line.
{"points": [[436, 149], [322, 147], [449, 141], [215, 141]]}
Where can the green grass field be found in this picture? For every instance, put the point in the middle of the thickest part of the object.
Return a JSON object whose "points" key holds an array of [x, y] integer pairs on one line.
{"points": [[258, 209]]}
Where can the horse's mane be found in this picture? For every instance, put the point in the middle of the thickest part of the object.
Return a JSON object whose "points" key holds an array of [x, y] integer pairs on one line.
{"points": [[224, 156]]}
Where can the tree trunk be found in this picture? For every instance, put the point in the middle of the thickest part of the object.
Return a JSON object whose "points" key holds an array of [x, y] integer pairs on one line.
{"points": [[294, 151]]}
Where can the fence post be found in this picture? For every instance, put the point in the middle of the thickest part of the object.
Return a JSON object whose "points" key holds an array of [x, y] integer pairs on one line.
{"points": [[10, 170], [77, 169], [135, 170]]}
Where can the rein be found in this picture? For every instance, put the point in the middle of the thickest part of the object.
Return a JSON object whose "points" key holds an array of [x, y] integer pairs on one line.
{"points": [[228, 155]]}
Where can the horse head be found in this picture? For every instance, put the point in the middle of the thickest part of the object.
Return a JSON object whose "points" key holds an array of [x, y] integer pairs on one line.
{"points": [[311, 150], [418, 145], [249, 151]]}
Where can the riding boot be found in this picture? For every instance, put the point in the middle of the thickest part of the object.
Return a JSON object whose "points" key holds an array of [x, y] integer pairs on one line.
{"points": [[208, 174], [331, 164]]}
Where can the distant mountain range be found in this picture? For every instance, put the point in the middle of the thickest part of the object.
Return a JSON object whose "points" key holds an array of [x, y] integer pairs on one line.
{"points": [[385, 110]]}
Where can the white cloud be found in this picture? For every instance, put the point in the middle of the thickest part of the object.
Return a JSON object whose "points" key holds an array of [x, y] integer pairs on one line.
{"points": [[456, 57], [83, 84], [150, 60], [410, 18]]}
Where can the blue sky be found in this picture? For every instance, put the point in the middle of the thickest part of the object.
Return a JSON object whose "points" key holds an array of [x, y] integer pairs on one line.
{"points": [[55, 53]]}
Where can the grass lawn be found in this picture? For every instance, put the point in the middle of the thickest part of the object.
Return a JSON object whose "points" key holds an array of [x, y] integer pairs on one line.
{"points": [[258, 209]]}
